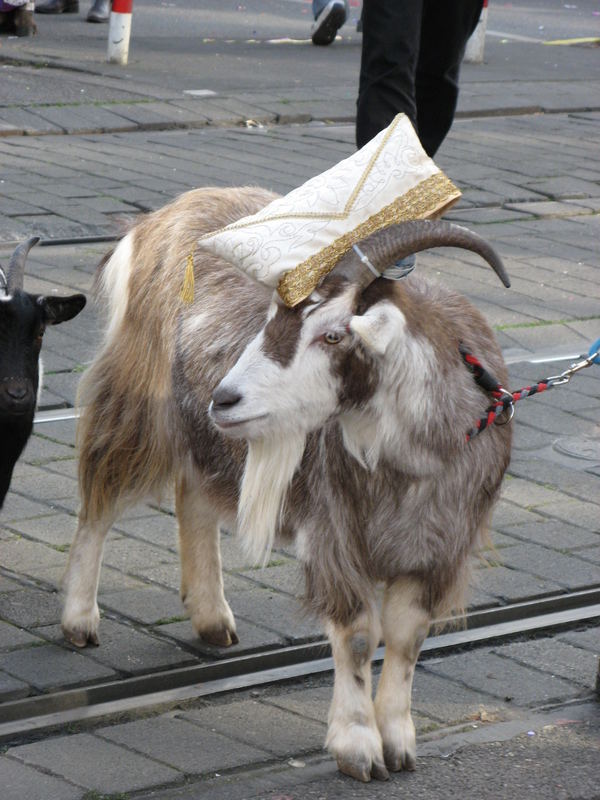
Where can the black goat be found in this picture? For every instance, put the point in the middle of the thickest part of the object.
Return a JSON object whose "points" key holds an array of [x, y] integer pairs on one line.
{"points": [[23, 320]]}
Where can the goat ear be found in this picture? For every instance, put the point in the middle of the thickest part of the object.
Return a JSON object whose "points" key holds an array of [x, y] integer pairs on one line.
{"points": [[378, 326], [61, 309]]}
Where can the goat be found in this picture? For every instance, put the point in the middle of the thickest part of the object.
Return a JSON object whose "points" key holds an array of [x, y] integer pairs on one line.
{"points": [[340, 423], [23, 320]]}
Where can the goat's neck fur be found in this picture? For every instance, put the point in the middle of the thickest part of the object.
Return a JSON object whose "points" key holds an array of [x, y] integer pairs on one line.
{"points": [[270, 467]]}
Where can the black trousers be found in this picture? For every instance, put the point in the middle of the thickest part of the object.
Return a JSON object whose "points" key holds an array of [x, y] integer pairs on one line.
{"points": [[411, 56]]}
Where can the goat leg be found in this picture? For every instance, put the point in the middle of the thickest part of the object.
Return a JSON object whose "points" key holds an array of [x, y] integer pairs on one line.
{"points": [[81, 616], [353, 737], [405, 623], [201, 574]]}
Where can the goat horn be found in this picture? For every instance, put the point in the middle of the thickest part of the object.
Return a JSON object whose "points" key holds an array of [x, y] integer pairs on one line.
{"points": [[386, 247], [16, 267]]}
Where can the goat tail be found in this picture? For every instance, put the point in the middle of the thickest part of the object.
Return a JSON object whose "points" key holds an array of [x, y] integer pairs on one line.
{"points": [[124, 449], [125, 433]]}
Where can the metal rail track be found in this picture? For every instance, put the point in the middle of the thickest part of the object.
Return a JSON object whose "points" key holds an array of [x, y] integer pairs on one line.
{"points": [[44, 713]]}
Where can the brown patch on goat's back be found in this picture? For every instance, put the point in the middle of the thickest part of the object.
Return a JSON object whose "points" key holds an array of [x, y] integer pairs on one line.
{"points": [[128, 435]]}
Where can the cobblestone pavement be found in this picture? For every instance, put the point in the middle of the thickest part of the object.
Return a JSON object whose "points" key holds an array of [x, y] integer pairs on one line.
{"points": [[543, 219], [531, 185], [515, 720]]}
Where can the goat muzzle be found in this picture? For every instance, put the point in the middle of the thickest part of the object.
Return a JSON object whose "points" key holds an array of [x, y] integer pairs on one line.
{"points": [[384, 248], [16, 396]]}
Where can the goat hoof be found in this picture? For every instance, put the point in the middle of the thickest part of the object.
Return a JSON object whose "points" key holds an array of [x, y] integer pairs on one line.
{"points": [[79, 638], [399, 761], [358, 771], [379, 772], [220, 637]]}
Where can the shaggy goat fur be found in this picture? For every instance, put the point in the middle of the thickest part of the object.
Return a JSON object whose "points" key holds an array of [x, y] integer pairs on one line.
{"points": [[353, 409]]}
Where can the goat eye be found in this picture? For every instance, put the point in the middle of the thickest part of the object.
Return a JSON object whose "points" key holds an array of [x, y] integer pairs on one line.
{"points": [[331, 337]]}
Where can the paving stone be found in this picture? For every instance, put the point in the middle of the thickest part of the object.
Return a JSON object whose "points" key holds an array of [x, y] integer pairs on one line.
{"points": [[509, 514], [130, 555], [6, 584], [252, 638], [30, 608], [528, 494], [55, 529], [158, 529], [281, 574], [17, 507], [278, 731], [50, 667], [11, 637], [23, 555], [40, 449], [554, 534], [277, 612], [93, 763], [546, 209], [190, 748], [231, 553], [554, 657], [127, 649], [449, 702], [166, 575], [110, 581], [589, 554], [512, 585], [569, 572], [312, 703], [486, 672], [146, 605], [564, 187], [576, 512], [588, 638], [11, 688], [541, 470], [20, 782]]}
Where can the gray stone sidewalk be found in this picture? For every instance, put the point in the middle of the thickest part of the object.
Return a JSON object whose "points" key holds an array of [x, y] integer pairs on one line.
{"points": [[499, 721], [541, 214], [509, 720]]}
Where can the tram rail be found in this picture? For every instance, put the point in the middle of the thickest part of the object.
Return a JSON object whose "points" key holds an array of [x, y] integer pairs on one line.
{"points": [[43, 713]]}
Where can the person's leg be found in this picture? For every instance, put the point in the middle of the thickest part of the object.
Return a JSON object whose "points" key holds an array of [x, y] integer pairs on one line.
{"points": [[390, 50], [444, 34]]}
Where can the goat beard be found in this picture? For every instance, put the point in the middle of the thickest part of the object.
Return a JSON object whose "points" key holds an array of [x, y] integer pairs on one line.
{"points": [[270, 467]]}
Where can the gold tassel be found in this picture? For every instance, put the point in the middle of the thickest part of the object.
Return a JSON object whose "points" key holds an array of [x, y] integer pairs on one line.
{"points": [[187, 290]]}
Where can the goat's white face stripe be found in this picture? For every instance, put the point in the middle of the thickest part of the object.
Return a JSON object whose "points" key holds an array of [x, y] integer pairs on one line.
{"points": [[305, 389]]}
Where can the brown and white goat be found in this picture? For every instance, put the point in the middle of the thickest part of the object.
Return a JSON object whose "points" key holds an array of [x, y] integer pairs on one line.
{"points": [[340, 423]]}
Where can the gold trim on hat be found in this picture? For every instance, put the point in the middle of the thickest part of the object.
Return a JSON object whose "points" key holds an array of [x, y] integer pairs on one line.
{"points": [[429, 198]]}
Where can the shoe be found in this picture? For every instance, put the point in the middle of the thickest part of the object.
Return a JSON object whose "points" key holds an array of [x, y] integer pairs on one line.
{"points": [[328, 21], [58, 7], [99, 12], [23, 22]]}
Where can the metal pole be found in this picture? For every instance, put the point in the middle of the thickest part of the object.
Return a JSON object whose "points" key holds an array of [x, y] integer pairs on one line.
{"points": [[119, 31], [475, 45]]}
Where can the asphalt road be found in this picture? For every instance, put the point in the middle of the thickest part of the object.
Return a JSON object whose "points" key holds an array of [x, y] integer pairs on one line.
{"points": [[264, 45]]}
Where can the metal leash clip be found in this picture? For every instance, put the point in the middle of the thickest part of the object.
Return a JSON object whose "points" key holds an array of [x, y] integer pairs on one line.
{"points": [[565, 377]]}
